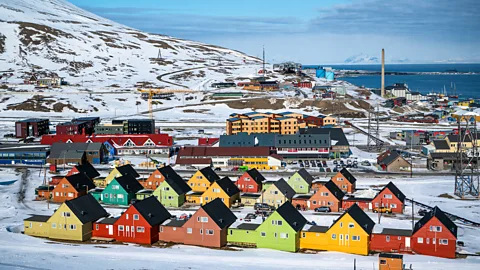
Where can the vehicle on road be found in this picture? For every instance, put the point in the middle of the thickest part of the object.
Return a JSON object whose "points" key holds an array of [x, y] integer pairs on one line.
{"points": [[422, 212], [382, 209], [322, 209], [263, 207]]}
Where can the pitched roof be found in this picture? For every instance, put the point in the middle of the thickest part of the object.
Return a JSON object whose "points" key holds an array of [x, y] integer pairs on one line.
{"points": [[391, 256], [360, 217], [391, 157], [129, 183], [346, 173], [336, 134], [395, 191], [248, 226], [285, 188], [219, 213], [86, 208], [441, 144], [292, 216], [316, 228], [127, 169], [306, 176], [256, 176], [38, 218], [58, 150], [107, 220], [80, 182], [440, 215], [152, 210], [174, 222], [228, 186], [210, 174], [174, 180], [397, 232], [335, 190], [207, 151], [88, 169]]}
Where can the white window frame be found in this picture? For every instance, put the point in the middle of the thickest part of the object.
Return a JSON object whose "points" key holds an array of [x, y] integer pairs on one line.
{"points": [[189, 230], [420, 240], [136, 217]]}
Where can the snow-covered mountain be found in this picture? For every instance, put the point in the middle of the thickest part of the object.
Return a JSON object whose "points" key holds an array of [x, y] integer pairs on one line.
{"points": [[362, 59], [56, 36]]}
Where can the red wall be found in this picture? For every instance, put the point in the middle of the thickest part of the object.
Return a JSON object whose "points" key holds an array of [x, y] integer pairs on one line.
{"points": [[378, 242], [362, 204], [63, 192], [380, 200], [323, 200], [218, 239], [149, 236], [172, 234], [243, 184], [102, 230], [300, 202], [446, 251]]}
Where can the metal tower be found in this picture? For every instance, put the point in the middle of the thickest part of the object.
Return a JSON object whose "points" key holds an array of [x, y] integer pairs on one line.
{"points": [[467, 174], [373, 130]]}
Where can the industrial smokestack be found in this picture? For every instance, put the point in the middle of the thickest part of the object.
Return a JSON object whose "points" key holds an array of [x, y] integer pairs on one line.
{"points": [[383, 73]]}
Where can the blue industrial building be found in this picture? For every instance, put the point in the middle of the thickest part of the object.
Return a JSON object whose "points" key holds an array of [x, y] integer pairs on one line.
{"points": [[23, 154]]}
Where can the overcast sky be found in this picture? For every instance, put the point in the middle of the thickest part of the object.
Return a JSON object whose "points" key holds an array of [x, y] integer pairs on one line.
{"points": [[312, 31]]}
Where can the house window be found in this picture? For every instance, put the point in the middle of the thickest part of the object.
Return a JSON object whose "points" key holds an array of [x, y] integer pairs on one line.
{"points": [[120, 196], [314, 202], [435, 229], [334, 236], [284, 235], [341, 224], [209, 232], [140, 229], [189, 230], [247, 179], [443, 241], [387, 196], [166, 188], [356, 238], [120, 228], [393, 205], [66, 214], [399, 238], [204, 219], [73, 227], [263, 234], [201, 231], [303, 235], [351, 225], [387, 238], [420, 240], [135, 217], [161, 228], [383, 261], [54, 225], [158, 176], [344, 186], [325, 194], [96, 227], [428, 240]]}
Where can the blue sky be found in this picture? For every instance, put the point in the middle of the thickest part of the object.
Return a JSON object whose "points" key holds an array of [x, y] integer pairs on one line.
{"points": [[312, 31]]}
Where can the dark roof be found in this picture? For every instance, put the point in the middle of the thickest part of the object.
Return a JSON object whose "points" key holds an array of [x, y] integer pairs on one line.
{"points": [[219, 213], [320, 229], [391, 256], [256, 176], [441, 144], [302, 196], [336, 134], [360, 217], [107, 220], [251, 195], [292, 216], [440, 215], [173, 222], [306, 176], [455, 138], [80, 182], [346, 173], [395, 191], [174, 180], [248, 226], [358, 199], [86, 208], [391, 157], [285, 188], [210, 174], [447, 156], [25, 148], [88, 169], [127, 169], [335, 190], [33, 120], [38, 218], [228, 186], [129, 183], [396, 232], [58, 150], [152, 210]]}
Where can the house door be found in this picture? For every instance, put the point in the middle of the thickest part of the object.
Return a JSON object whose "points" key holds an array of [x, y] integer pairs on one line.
{"points": [[370, 206], [407, 242], [127, 231], [132, 231], [110, 229], [308, 204], [346, 240], [341, 240]]}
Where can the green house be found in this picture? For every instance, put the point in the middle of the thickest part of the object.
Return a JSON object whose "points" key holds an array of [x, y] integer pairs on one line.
{"points": [[121, 190], [171, 192], [96, 193], [281, 230], [243, 234], [301, 181]]}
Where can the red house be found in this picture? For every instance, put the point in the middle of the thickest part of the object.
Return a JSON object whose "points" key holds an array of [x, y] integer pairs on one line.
{"points": [[364, 203], [85, 168], [140, 223], [208, 141], [328, 195], [301, 201], [390, 196], [435, 235], [104, 228], [250, 181], [390, 240]]}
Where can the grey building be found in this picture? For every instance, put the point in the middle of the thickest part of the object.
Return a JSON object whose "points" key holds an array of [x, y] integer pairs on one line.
{"points": [[339, 143], [136, 126], [109, 129], [79, 153]]}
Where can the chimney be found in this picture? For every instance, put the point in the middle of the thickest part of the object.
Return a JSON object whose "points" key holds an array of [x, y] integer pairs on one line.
{"points": [[383, 73]]}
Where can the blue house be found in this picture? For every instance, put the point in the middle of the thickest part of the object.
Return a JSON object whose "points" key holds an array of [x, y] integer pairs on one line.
{"points": [[23, 154]]}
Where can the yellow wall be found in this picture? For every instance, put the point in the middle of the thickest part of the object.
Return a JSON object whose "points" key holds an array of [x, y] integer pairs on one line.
{"points": [[198, 182], [247, 201], [260, 163], [114, 173], [313, 240], [100, 182], [211, 195], [81, 233], [341, 227], [273, 199], [197, 199], [329, 121], [35, 228]]}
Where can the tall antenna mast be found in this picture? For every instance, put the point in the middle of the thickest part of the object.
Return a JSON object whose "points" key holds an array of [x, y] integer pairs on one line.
{"points": [[159, 57]]}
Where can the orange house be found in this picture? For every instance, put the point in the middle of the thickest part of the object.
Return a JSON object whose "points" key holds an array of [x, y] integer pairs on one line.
{"points": [[203, 179], [157, 177], [328, 195], [345, 181], [71, 187]]}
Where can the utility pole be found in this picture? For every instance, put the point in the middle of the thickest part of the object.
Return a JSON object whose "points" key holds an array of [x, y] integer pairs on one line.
{"points": [[264, 71], [413, 215]]}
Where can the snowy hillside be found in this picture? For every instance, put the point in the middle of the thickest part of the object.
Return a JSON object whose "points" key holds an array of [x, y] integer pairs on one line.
{"points": [[56, 36], [362, 59]]}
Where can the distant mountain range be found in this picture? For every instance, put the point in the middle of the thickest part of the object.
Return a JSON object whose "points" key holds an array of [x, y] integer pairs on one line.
{"points": [[367, 59]]}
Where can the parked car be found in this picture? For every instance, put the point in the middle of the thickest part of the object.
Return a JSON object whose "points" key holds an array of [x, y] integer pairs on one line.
{"points": [[349, 161], [328, 170], [314, 165], [422, 212], [334, 169], [307, 165], [335, 162], [301, 165], [250, 216], [382, 209], [9, 135], [324, 163], [263, 207], [322, 209], [349, 165], [460, 243], [322, 169], [365, 163], [218, 169]]}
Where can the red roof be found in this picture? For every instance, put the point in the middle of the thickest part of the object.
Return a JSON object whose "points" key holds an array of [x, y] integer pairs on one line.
{"points": [[114, 140], [207, 141], [203, 151]]}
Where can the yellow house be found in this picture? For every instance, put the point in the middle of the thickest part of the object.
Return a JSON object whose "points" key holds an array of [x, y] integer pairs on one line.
{"points": [[259, 163], [224, 189], [118, 172], [288, 125], [350, 233], [328, 120], [36, 226], [278, 193], [73, 220], [194, 197], [202, 179]]}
